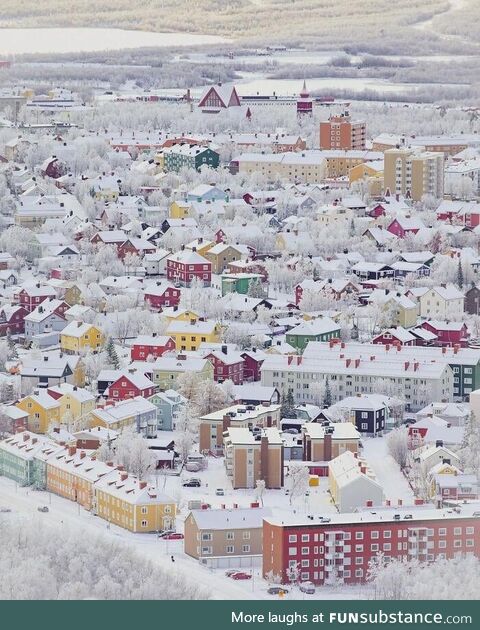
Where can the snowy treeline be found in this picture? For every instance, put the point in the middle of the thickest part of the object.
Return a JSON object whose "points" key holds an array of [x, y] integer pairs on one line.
{"points": [[39, 561], [458, 578]]}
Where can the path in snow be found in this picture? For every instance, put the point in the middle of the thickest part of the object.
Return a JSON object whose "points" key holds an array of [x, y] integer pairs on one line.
{"points": [[388, 473]]}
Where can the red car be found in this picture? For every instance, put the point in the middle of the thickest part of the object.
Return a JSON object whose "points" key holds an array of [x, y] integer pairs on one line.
{"points": [[174, 536], [241, 576]]}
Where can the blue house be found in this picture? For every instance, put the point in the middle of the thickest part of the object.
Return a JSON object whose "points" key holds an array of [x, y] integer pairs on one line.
{"points": [[169, 405], [206, 192]]}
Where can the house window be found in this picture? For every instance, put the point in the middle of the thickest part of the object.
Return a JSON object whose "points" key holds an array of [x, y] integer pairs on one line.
{"points": [[230, 535], [144, 523], [230, 549], [246, 548], [207, 537]]}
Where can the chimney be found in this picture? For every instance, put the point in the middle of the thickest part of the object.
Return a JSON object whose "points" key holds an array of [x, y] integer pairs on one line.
{"points": [[225, 349], [400, 502], [327, 447], [82, 454], [363, 470], [407, 365], [72, 450], [142, 485], [35, 440], [123, 476], [26, 437], [110, 464]]}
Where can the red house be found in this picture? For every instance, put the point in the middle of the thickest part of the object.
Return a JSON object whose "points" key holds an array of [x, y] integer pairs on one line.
{"points": [[130, 384], [53, 167], [186, 265], [396, 336], [30, 297], [377, 211], [227, 365], [448, 333], [252, 363], [146, 346], [161, 294], [12, 320], [402, 226], [137, 246]]}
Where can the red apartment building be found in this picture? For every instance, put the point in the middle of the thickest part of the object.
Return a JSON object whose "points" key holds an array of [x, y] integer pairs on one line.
{"points": [[343, 133], [340, 548]]}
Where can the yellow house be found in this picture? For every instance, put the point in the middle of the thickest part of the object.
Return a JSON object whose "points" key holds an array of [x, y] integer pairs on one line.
{"points": [[221, 255], [189, 335], [201, 246], [371, 173], [76, 405], [180, 210], [160, 160], [184, 315], [72, 295], [78, 336], [124, 500], [167, 369], [42, 410]]}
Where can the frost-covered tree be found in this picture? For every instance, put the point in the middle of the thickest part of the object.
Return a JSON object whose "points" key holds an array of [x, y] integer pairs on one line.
{"points": [[298, 477], [397, 442], [132, 451], [36, 562]]}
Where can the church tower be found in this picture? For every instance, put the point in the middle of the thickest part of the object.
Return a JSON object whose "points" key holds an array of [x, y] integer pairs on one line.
{"points": [[304, 103]]}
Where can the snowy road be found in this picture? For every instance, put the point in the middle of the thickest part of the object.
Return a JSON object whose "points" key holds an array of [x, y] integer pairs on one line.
{"points": [[388, 473]]}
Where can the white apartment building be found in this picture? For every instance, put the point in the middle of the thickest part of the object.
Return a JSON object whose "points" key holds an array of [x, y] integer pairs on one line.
{"points": [[417, 383]]}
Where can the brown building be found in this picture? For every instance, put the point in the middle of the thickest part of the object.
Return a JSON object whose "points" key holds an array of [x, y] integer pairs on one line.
{"points": [[341, 132], [472, 301], [223, 538], [324, 443], [213, 425], [250, 457]]}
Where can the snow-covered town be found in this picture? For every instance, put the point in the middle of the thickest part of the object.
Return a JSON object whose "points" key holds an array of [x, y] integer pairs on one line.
{"points": [[240, 341]]}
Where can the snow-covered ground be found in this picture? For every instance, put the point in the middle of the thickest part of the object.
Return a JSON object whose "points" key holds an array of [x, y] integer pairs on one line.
{"points": [[25, 501], [389, 475]]}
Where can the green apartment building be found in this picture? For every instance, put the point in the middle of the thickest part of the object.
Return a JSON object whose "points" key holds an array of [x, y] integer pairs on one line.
{"points": [[190, 156], [23, 458]]}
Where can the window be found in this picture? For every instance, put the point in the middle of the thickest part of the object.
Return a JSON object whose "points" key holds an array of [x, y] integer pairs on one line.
{"points": [[292, 551], [387, 547], [358, 572], [305, 563], [469, 542], [457, 531], [374, 547], [358, 560], [230, 549], [246, 535], [206, 550], [246, 548], [442, 544], [305, 537], [230, 535], [144, 523], [387, 534], [304, 551], [359, 548], [358, 535], [469, 530], [374, 535], [457, 543], [207, 537], [144, 510], [442, 531]]}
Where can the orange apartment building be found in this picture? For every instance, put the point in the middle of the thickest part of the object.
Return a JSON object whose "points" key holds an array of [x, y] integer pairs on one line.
{"points": [[250, 457], [72, 474], [341, 132]]}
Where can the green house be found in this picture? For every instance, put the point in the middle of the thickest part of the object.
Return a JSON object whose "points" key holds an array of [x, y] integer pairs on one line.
{"points": [[321, 329], [240, 283], [194, 156]]}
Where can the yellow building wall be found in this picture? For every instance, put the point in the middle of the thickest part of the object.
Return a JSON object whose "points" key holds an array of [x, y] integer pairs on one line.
{"points": [[45, 417]]}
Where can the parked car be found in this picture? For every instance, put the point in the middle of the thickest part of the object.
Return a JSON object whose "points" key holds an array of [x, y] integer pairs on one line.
{"points": [[43, 508], [173, 536], [307, 587], [165, 533], [291, 431], [230, 572], [192, 483], [240, 575], [277, 590], [4, 510], [220, 492], [192, 466]]}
